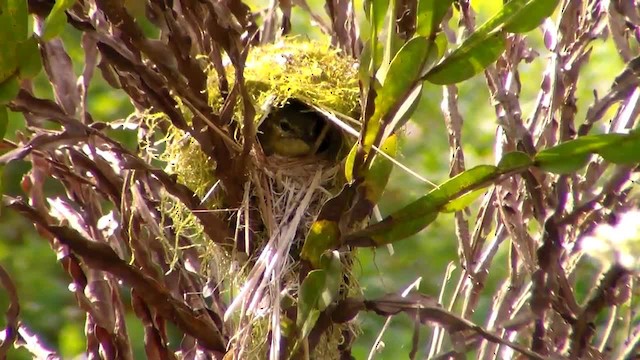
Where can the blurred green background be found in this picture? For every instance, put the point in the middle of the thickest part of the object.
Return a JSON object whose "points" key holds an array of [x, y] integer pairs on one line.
{"points": [[48, 306]]}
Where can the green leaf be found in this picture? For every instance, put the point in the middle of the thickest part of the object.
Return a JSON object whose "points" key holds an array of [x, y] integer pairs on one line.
{"points": [[310, 292], [57, 19], [405, 111], [390, 48], [376, 11], [349, 163], [470, 58], [318, 290], [487, 43], [14, 21], [422, 212], [404, 73], [323, 235], [574, 154], [30, 61], [626, 151], [429, 15], [524, 16], [9, 89], [375, 180], [514, 161], [333, 271], [463, 201]]}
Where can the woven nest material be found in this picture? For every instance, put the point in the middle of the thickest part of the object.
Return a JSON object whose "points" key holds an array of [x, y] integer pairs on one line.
{"points": [[283, 194]]}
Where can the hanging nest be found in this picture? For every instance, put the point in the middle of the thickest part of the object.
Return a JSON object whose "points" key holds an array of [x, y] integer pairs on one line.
{"points": [[260, 273]]}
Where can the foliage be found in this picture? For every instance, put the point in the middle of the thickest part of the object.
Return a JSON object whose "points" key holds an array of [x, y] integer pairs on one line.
{"points": [[290, 242]]}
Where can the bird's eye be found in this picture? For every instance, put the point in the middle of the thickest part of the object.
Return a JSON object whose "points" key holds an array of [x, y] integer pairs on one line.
{"points": [[285, 126]]}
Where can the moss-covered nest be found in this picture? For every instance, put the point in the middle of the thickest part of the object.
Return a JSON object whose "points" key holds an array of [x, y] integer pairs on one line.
{"points": [[287, 203]]}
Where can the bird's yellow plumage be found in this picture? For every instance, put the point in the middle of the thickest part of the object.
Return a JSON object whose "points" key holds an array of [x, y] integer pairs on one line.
{"points": [[291, 131]]}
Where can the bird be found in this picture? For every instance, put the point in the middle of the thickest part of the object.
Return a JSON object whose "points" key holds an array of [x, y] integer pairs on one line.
{"points": [[293, 130]]}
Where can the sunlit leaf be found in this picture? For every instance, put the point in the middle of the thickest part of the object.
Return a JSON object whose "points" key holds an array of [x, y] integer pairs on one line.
{"points": [[375, 180], [349, 163], [469, 59], [420, 213], [514, 160], [487, 43], [526, 15], [429, 15], [574, 154], [626, 151], [463, 201], [403, 75], [57, 19]]}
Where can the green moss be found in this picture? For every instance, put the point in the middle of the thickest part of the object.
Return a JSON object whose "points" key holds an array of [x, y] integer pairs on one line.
{"points": [[294, 69]]}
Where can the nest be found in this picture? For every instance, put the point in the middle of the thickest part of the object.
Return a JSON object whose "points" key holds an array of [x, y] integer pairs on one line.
{"points": [[283, 194]]}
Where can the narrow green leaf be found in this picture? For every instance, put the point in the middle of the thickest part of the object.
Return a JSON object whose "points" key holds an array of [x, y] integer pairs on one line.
{"points": [[405, 111], [420, 213], [404, 72], [467, 60], [390, 48], [429, 15], [487, 43], [626, 151], [525, 16], [514, 160], [375, 180], [349, 162], [57, 19], [463, 201], [574, 154], [377, 11], [365, 65]]}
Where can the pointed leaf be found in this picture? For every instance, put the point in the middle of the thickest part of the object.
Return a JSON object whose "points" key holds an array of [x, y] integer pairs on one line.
{"points": [[626, 151], [574, 154]]}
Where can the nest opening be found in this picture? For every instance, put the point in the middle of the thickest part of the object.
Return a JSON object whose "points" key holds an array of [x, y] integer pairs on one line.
{"points": [[296, 130]]}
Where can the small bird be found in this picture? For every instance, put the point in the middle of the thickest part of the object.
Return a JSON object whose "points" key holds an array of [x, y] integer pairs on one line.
{"points": [[293, 131]]}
